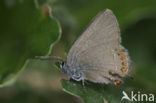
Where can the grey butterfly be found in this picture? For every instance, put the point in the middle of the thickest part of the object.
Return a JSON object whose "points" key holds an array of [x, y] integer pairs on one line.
{"points": [[97, 54]]}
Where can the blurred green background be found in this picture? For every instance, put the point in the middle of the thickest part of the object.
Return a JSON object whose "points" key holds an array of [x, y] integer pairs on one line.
{"points": [[25, 31]]}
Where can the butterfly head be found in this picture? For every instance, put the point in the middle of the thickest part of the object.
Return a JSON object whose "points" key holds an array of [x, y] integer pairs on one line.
{"points": [[62, 64], [65, 68]]}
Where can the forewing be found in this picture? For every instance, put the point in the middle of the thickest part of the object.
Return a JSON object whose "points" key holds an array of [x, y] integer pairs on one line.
{"points": [[95, 51]]}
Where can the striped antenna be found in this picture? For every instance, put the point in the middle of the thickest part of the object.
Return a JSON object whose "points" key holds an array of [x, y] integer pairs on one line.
{"points": [[49, 58]]}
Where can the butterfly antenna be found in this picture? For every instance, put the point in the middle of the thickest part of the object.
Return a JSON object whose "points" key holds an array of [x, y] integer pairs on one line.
{"points": [[49, 58]]}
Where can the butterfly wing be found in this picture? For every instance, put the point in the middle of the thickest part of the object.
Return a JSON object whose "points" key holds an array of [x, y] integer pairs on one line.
{"points": [[97, 50]]}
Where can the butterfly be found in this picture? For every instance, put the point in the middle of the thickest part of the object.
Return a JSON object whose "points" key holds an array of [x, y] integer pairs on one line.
{"points": [[97, 55]]}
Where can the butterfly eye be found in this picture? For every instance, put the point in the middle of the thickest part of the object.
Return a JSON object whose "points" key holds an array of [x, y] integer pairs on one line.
{"points": [[62, 64]]}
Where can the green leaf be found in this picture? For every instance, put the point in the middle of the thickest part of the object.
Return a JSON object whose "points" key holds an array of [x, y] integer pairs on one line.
{"points": [[93, 92], [89, 95], [26, 30]]}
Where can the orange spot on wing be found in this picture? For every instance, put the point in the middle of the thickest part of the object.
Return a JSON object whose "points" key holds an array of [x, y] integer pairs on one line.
{"points": [[122, 58], [124, 63], [117, 82], [123, 69]]}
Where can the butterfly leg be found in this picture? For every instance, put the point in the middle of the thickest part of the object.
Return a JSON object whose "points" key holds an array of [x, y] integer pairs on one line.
{"points": [[83, 82]]}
